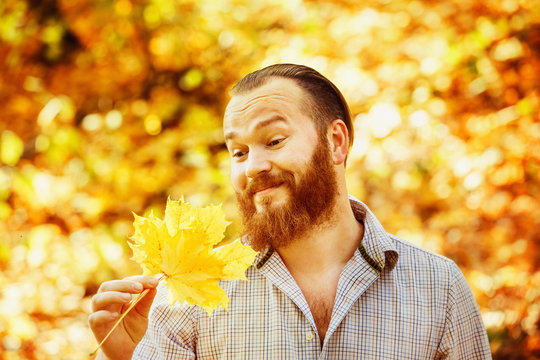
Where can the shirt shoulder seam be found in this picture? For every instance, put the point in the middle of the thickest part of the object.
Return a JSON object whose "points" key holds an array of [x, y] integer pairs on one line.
{"points": [[420, 249]]}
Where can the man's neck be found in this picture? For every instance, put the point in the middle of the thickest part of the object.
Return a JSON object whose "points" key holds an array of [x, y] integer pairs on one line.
{"points": [[327, 247]]}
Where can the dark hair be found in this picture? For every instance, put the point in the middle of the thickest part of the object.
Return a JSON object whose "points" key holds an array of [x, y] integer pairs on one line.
{"points": [[325, 103]]}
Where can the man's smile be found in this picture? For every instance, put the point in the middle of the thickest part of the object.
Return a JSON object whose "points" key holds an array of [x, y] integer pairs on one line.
{"points": [[266, 189]]}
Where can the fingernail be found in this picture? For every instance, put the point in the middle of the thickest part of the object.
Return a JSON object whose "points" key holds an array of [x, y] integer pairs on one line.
{"points": [[137, 287], [153, 281], [114, 315]]}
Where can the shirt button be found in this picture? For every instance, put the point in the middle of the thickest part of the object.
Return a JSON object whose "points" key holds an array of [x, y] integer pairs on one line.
{"points": [[309, 336]]}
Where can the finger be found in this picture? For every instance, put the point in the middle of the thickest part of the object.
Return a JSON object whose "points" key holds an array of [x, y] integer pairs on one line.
{"points": [[134, 284], [102, 319], [146, 281], [105, 299], [143, 307]]}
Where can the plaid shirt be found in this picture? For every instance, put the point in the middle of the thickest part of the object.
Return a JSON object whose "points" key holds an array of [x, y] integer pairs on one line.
{"points": [[419, 307]]}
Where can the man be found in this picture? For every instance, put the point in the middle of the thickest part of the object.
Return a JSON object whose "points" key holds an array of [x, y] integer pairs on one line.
{"points": [[329, 282]]}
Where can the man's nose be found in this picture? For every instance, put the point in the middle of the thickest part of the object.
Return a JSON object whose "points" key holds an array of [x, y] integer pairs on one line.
{"points": [[257, 163]]}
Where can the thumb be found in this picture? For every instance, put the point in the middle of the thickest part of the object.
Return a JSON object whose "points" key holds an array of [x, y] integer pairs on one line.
{"points": [[143, 307]]}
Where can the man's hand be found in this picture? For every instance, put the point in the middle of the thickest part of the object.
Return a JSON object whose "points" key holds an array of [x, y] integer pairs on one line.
{"points": [[111, 299]]}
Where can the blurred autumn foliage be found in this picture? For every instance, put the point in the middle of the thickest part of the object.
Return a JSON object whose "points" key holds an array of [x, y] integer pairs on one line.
{"points": [[108, 107]]}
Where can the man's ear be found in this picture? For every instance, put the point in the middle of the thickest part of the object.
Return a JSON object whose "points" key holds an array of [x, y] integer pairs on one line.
{"points": [[338, 136]]}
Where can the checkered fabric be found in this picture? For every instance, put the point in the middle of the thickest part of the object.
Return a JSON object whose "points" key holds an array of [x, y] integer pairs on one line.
{"points": [[394, 301]]}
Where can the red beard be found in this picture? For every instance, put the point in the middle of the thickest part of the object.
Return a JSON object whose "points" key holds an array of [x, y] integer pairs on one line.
{"points": [[310, 204]]}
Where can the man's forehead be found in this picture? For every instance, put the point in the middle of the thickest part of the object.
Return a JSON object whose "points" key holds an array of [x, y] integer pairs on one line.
{"points": [[273, 89]]}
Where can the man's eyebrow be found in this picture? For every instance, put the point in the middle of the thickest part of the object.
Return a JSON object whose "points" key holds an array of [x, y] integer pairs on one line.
{"points": [[229, 135], [276, 118]]}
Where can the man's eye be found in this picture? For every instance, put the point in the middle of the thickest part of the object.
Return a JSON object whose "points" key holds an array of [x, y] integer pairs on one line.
{"points": [[275, 142], [238, 154]]}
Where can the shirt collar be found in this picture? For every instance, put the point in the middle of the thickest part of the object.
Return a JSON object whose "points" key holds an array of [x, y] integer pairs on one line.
{"points": [[376, 247]]}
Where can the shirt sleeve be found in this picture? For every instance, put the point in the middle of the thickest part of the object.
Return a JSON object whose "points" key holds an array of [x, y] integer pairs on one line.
{"points": [[464, 335], [171, 333]]}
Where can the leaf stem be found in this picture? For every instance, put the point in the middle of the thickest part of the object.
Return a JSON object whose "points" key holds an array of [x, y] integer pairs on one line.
{"points": [[131, 304]]}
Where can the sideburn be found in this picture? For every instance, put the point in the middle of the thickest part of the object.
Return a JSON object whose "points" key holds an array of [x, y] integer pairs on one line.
{"points": [[310, 204]]}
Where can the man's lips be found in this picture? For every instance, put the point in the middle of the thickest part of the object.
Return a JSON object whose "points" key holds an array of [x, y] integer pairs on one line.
{"points": [[266, 188]]}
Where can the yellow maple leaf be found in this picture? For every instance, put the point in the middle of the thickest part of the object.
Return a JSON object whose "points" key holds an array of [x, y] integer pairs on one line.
{"points": [[210, 220], [181, 248], [147, 243]]}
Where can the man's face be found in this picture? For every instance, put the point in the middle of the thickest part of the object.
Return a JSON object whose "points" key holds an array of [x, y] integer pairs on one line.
{"points": [[281, 168]]}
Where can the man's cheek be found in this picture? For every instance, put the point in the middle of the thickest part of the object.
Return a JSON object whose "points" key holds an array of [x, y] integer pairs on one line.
{"points": [[238, 183]]}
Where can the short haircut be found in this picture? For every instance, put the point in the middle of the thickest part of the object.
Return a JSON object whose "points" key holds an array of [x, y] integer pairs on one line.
{"points": [[325, 103]]}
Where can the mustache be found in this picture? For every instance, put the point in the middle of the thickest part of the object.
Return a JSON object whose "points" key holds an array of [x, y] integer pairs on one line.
{"points": [[267, 180]]}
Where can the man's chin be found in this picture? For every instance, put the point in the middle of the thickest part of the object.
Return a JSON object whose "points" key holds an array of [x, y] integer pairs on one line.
{"points": [[269, 202], [270, 197], [264, 206]]}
